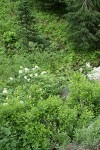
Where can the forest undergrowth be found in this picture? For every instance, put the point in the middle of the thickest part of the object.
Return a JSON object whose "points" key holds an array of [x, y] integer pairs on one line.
{"points": [[49, 82]]}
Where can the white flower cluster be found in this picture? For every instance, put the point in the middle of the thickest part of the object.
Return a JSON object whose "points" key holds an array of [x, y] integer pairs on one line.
{"points": [[88, 65], [11, 79], [35, 68], [23, 70], [28, 74], [5, 104], [95, 74], [44, 72], [5, 92]]}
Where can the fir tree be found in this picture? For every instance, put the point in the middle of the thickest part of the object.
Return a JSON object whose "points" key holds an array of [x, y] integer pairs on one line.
{"points": [[83, 24], [26, 21]]}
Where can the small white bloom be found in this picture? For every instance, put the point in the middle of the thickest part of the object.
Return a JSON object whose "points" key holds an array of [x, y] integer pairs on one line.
{"points": [[31, 75], [29, 96], [21, 102], [40, 89], [28, 79], [25, 77], [5, 104], [44, 72], [36, 67], [26, 70], [90, 76], [33, 69], [6, 98], [5, 91], [88, 65], [11, 78], [20, 71], [36, 74], [81, 69], [21, 67]]}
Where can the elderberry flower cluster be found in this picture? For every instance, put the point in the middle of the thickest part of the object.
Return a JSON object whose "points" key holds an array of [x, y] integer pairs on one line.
{"points": [[28, 74]]}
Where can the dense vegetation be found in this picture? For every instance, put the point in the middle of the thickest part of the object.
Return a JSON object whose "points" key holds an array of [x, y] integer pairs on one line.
{"points": [[48, 51]]}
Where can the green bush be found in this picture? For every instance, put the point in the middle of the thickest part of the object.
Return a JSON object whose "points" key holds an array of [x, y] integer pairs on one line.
{"points": [[34, 83], [49, 106], [89, 136], [24, 126], [84, 93], [9, 40]]}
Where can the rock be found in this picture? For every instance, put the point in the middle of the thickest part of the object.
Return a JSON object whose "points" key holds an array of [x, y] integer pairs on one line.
{"points": [[64, 93], [71, 146], [95, 74]]}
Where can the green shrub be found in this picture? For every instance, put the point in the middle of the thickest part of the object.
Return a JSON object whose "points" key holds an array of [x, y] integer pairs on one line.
{"points": [[35, 84], [9, 40], [85, 116], [84, 93], [89, 136], [24, 126]]}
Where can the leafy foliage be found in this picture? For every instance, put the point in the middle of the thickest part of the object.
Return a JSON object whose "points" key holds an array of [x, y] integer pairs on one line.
{"points": [[23, 125], [47, 100], [84, 93], [32, 117], [89, 136], [9, 40]]}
